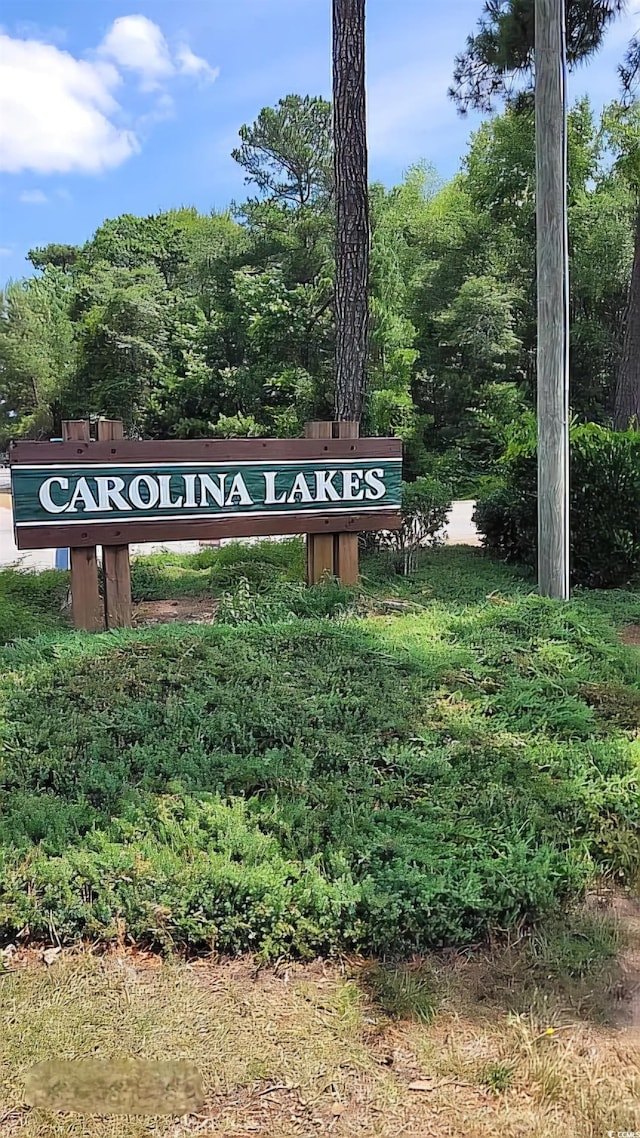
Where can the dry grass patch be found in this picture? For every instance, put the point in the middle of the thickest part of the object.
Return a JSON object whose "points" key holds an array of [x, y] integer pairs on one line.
{"points": [[305, 1050]]}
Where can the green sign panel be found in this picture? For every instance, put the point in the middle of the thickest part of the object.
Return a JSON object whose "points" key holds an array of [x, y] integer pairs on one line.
{"points": [[61, 495]]}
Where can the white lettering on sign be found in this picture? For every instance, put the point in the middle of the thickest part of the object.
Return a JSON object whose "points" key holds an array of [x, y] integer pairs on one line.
{"points": [[44, 494], [239, 490], [208, 486], [110, 491], [152, 492], [270, 489], [351, 489], [300, 491], [376, 488], [82, 494], [165, 493], [100, 493], [190, 491], [325, 490]]}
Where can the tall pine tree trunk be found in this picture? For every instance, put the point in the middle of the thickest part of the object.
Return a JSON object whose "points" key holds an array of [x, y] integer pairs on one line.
{"points": [[627, 404], [352, 207]]}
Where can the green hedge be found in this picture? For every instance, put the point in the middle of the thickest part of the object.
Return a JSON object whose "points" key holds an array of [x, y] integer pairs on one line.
{"points": [[604, 504]]}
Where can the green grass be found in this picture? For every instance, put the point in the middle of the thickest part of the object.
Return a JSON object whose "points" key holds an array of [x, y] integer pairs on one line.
{"points": [[166, 575], [30, 603], [402, 993], [497, 1077], [312, 774]]}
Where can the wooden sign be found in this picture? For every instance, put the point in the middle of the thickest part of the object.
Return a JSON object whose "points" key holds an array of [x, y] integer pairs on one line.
{"points": [[96, 493], [82, 493]]}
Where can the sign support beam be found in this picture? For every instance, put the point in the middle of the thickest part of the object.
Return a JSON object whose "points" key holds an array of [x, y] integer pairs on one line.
{"points": [[320, 562], [116, 565], [86, 605]]}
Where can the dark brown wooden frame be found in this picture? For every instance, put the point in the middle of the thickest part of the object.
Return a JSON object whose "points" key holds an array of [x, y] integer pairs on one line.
{"points": [[204, 450]]}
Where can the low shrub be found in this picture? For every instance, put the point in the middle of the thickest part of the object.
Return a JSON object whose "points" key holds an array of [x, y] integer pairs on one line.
{"points": [[211, 571], [296, 785], [604, 506], [284, 601], [425, 506]]}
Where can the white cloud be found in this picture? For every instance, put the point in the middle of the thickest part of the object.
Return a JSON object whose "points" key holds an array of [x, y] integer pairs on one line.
{"points": [[58, 114], [136, 43], [33, 197], [190, 64], [55, 111], [163, 109], [5, 251]]}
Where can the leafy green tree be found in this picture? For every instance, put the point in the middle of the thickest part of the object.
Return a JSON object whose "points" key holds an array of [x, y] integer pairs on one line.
{"points": [[621, 127], [37, 353], [478, 328], [287, 155], [163, 241], [59, 256], [192, 325], [287, 151], [122, 335], [497, 62]]}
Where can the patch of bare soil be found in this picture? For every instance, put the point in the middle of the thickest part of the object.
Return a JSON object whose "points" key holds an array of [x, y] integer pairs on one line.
{"points": [[631, 635], [185, 610]]}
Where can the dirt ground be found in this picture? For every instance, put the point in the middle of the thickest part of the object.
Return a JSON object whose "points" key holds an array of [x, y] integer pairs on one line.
{"points": [[195, 610], [305, 1049]]}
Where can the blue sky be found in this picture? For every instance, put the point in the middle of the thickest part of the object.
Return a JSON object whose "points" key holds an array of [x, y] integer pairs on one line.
{"points": [[109, 107]]}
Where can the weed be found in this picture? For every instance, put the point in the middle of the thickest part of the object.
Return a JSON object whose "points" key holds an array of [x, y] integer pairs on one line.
{"points": [[498, 1077], [402, 992]]}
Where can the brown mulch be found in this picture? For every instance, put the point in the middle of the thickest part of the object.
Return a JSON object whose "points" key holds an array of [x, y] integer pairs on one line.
{"points": [[196, 610]]}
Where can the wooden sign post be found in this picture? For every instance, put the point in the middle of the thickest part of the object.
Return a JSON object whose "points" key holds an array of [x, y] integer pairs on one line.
{"points": [[112, 491], [335, 555], [86, 605], [116, 567]]}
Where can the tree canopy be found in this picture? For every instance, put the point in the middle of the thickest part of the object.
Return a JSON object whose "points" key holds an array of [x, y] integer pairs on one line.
{"points": [[187, 324]]}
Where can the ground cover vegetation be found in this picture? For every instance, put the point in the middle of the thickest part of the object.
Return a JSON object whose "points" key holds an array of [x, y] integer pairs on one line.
{"points": [[413, 764]]}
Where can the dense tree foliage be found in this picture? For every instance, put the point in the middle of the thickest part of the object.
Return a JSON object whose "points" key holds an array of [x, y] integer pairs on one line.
{"points": [[499, 63], [189, 325]]}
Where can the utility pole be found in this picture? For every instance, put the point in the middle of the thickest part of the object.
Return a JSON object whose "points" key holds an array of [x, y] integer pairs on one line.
{"points": [[553, 298]]}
